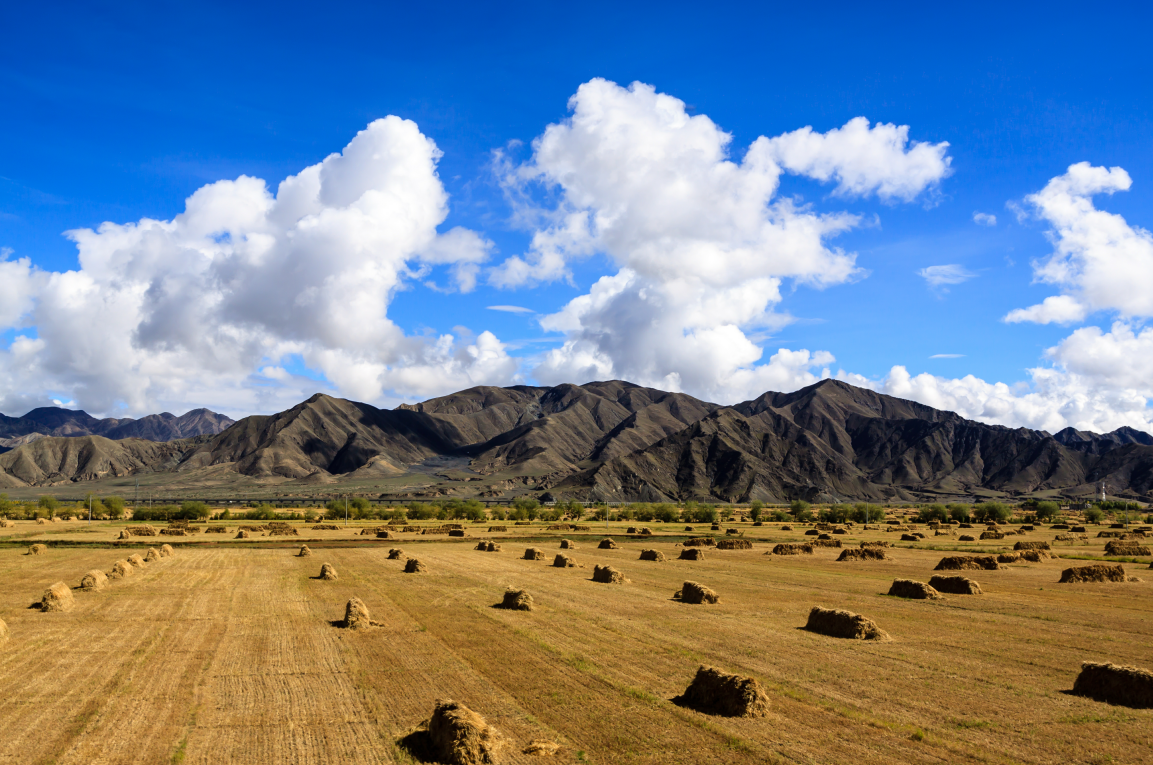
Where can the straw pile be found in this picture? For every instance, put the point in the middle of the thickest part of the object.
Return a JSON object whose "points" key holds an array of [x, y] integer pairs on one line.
{"points": [[1126, 548], [152, 555], [136, 560], [719, 693], [541, 747], [533, 553], [327, 572], [41, 522], [1008, 557], [326, 527], [459, 736], [37, 549], [697, 594], [516, 600], [968, 563], [874, 544], [413, 566], [656, 555], [142, 531], [396, 554], [607, 544], [863, 553], [843, 624], [384, 535], [283, 531], [451, 533], [94, 580], [825, 542], [4, 634], [608, 575], [242, 534], [567, 544], [688, 528], [966, 538], [215, 530], [786, 548], [1116, 684], [734, 544], [304, 552], [1031, 546], [165, 551], [58, 597], [120, 569], [992, 535], [908, 588], [563, 561], [357, 616], [1098, 572], [173, 532], [700, 542], [955, 585], [910, 538], [496, 528], [124, 534], [1035, 556], [691, 553]]}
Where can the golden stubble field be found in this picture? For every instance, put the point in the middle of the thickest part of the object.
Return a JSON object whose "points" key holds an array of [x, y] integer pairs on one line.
{"points": [[227, 654]]}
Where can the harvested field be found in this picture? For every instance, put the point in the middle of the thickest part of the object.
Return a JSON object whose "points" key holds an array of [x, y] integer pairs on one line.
{"points": [[968, 563], [719, 693], [1100, 572], [789, 548], [863, 553], [691, 553], [914, 590], [697, 594], [955, 585], [843, 624], [226, 653], [1124, 686]]}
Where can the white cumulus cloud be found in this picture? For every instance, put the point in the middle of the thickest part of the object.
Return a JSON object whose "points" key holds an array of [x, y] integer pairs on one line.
{"points": [[190, 309], [984, 219]]}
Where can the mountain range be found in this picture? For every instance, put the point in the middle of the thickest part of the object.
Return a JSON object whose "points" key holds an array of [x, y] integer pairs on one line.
{"points": [[616, 441], [56, 421]]}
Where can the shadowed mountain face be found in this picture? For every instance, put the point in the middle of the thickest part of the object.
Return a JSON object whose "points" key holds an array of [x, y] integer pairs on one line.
{"points": [[54, 421], [619, 441]]}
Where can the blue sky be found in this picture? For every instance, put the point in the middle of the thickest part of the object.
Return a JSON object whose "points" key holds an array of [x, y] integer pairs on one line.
{"points": [[121, 112]]}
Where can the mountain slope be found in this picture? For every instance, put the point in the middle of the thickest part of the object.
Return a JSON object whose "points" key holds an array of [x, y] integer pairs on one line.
{"points": [[56, 421]]}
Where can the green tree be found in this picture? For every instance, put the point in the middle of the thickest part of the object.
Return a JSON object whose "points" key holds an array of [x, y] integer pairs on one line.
{"points": [[48, 504], [931, 513], [800, 510], [1094, 515], [755, 508], [1046, 511], [958, 512], [992, 511]]}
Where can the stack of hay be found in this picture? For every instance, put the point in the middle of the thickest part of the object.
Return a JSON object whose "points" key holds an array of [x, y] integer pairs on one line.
{"points": [[656, 555], [516, 600], [863, 553], [968, 562], [1099, 572], [843, 624], [786, 548], [719, 693], [734, 544], [608, 575], [908, 588], [955, 585], [697, 594]]}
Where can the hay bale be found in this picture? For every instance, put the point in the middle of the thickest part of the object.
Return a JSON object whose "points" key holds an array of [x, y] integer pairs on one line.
{"points": [[910, 538], [492, 547], [215, 530], [1098, 572], [120, 569], [326, 527], [825, 542], [541, 747], [41, 522], [608, 575], [58, 597], [516, 600], [452, 533], [173, 532], [645, 530], [955, 585], [567, 544], [413, 566], [283, 531], [786, 548], [812, 533], [459, 736], [124, 534], [37, 549], [165, 551], [327, 572], [533, 553], [152, 555], [357, 616], [823, 537], [1034, 556], [688, 528], [697, 594], [94, 580], [733, 531], [786, 528], [967, 538], [1076, 529], [1031, 546], [396, 554], [734, 544], [142, 531], [1116, 684], [656, 555], [700, 542], [874, 544], [242, 534], [383, 535], [1125, 548], [492, 528], [607, 544], [481, 545], [1008, 557], [304, 552], [992, 535], [908, 588], [863, 553], [631, 530], [136, 560], [563, 561], [718, 693], [843, 624], [691, 553], [968, 563]]}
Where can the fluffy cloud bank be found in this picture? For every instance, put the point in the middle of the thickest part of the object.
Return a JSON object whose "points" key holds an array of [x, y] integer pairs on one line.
{"points": [[191, 308], [702, 241]]}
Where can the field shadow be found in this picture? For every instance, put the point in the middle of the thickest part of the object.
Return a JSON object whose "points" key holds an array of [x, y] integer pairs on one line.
{"points": [[417, 744]]}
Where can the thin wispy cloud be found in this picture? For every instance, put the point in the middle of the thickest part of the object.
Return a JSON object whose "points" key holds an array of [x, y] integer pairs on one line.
{"points": [[984, 219], [510, 308], [947, 356], [939, 277]]}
